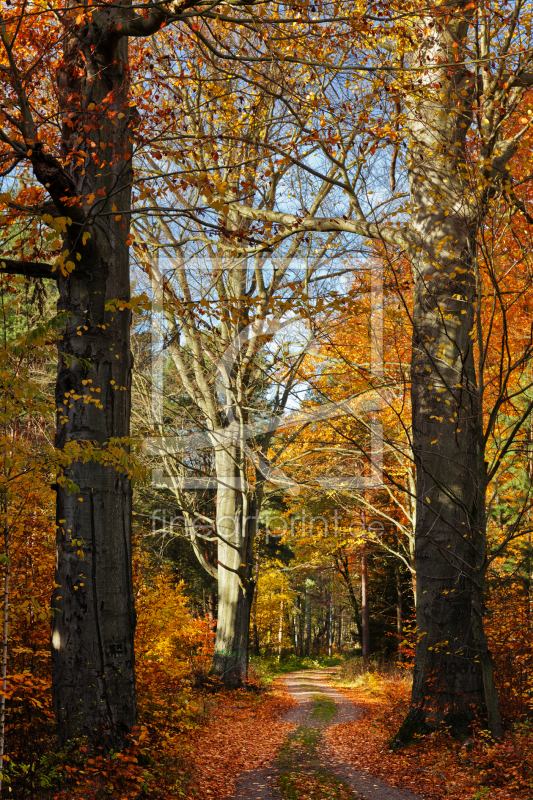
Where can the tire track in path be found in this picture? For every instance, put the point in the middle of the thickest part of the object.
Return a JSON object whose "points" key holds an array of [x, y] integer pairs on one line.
{"points": [[307, 687]]}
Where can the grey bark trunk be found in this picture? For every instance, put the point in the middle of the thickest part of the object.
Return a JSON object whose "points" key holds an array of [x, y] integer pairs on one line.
{"points": [[235, 532], [254, 611], [453, 682], [365, 608]]}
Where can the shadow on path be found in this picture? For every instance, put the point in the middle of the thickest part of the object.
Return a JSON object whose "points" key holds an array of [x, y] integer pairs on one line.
{"points": [[306, 687]]}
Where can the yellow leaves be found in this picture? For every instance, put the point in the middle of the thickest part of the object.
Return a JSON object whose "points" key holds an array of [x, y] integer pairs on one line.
{"points": [[91, 198], [85, 236], [137, 304]]}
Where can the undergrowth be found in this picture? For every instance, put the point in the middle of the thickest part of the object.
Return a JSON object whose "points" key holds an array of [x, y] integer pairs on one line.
{"points": [[267, 667]]}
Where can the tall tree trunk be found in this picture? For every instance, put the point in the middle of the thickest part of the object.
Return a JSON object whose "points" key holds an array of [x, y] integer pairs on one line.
{"points": [[93, 607], [235, 584], [5, 645], [254, 611], [307, 647], [344, 569], [280, 631], [296, 623], [330, 626], [453, 682], [211, 604], [302, 627], [399, 610], [365, 608]]}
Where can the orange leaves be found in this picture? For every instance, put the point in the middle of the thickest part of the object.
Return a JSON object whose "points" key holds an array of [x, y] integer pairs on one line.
{"points": [[244, 734], [437, 767], [509, 633]]}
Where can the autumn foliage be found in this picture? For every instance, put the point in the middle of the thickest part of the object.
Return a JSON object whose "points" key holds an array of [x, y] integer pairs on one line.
{"points": [[436, 766]]}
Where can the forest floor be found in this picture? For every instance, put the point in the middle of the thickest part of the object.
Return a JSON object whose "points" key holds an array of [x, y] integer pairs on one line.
{"points": [[315, 737], [306, 768]]}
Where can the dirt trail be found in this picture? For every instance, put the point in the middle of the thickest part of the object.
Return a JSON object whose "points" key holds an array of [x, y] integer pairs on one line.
{"points": [[305, 687]]}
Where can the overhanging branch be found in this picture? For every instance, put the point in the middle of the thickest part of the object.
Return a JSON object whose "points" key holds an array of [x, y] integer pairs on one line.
{"points": [[295, 224], [30, 269]]}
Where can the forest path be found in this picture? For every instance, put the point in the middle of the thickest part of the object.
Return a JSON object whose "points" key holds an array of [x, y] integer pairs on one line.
{"points": [[303, 766]]}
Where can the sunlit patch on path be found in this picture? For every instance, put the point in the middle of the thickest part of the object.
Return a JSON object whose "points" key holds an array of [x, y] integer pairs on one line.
{"points": [[304, 769]]}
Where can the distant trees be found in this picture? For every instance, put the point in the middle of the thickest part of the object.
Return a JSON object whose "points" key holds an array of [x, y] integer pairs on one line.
{"points": [[446, 107], [231, 140]]}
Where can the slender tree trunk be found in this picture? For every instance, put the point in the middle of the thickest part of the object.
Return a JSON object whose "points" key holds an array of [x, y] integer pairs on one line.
{"points": [[529, 559], [344, 570], [296, 623], [93, 619], [307, 648], [399, 613], [453, 682], [302, 627], [254, 611], [211, 605], [330, 626], [280, 631], [5, 643], [365, 608]]}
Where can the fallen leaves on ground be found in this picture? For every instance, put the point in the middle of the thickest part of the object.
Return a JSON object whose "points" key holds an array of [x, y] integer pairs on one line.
{"points": [[244, 733], [438, 766]]}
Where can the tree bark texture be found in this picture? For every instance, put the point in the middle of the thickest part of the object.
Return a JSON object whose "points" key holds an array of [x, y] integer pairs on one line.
{"points": [[93, 608], [453, 683], [235, 532]]}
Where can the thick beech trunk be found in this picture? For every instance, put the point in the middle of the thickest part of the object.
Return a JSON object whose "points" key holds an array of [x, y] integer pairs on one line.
{"points": [[453, 682], [93, 609], [235, 531]]}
